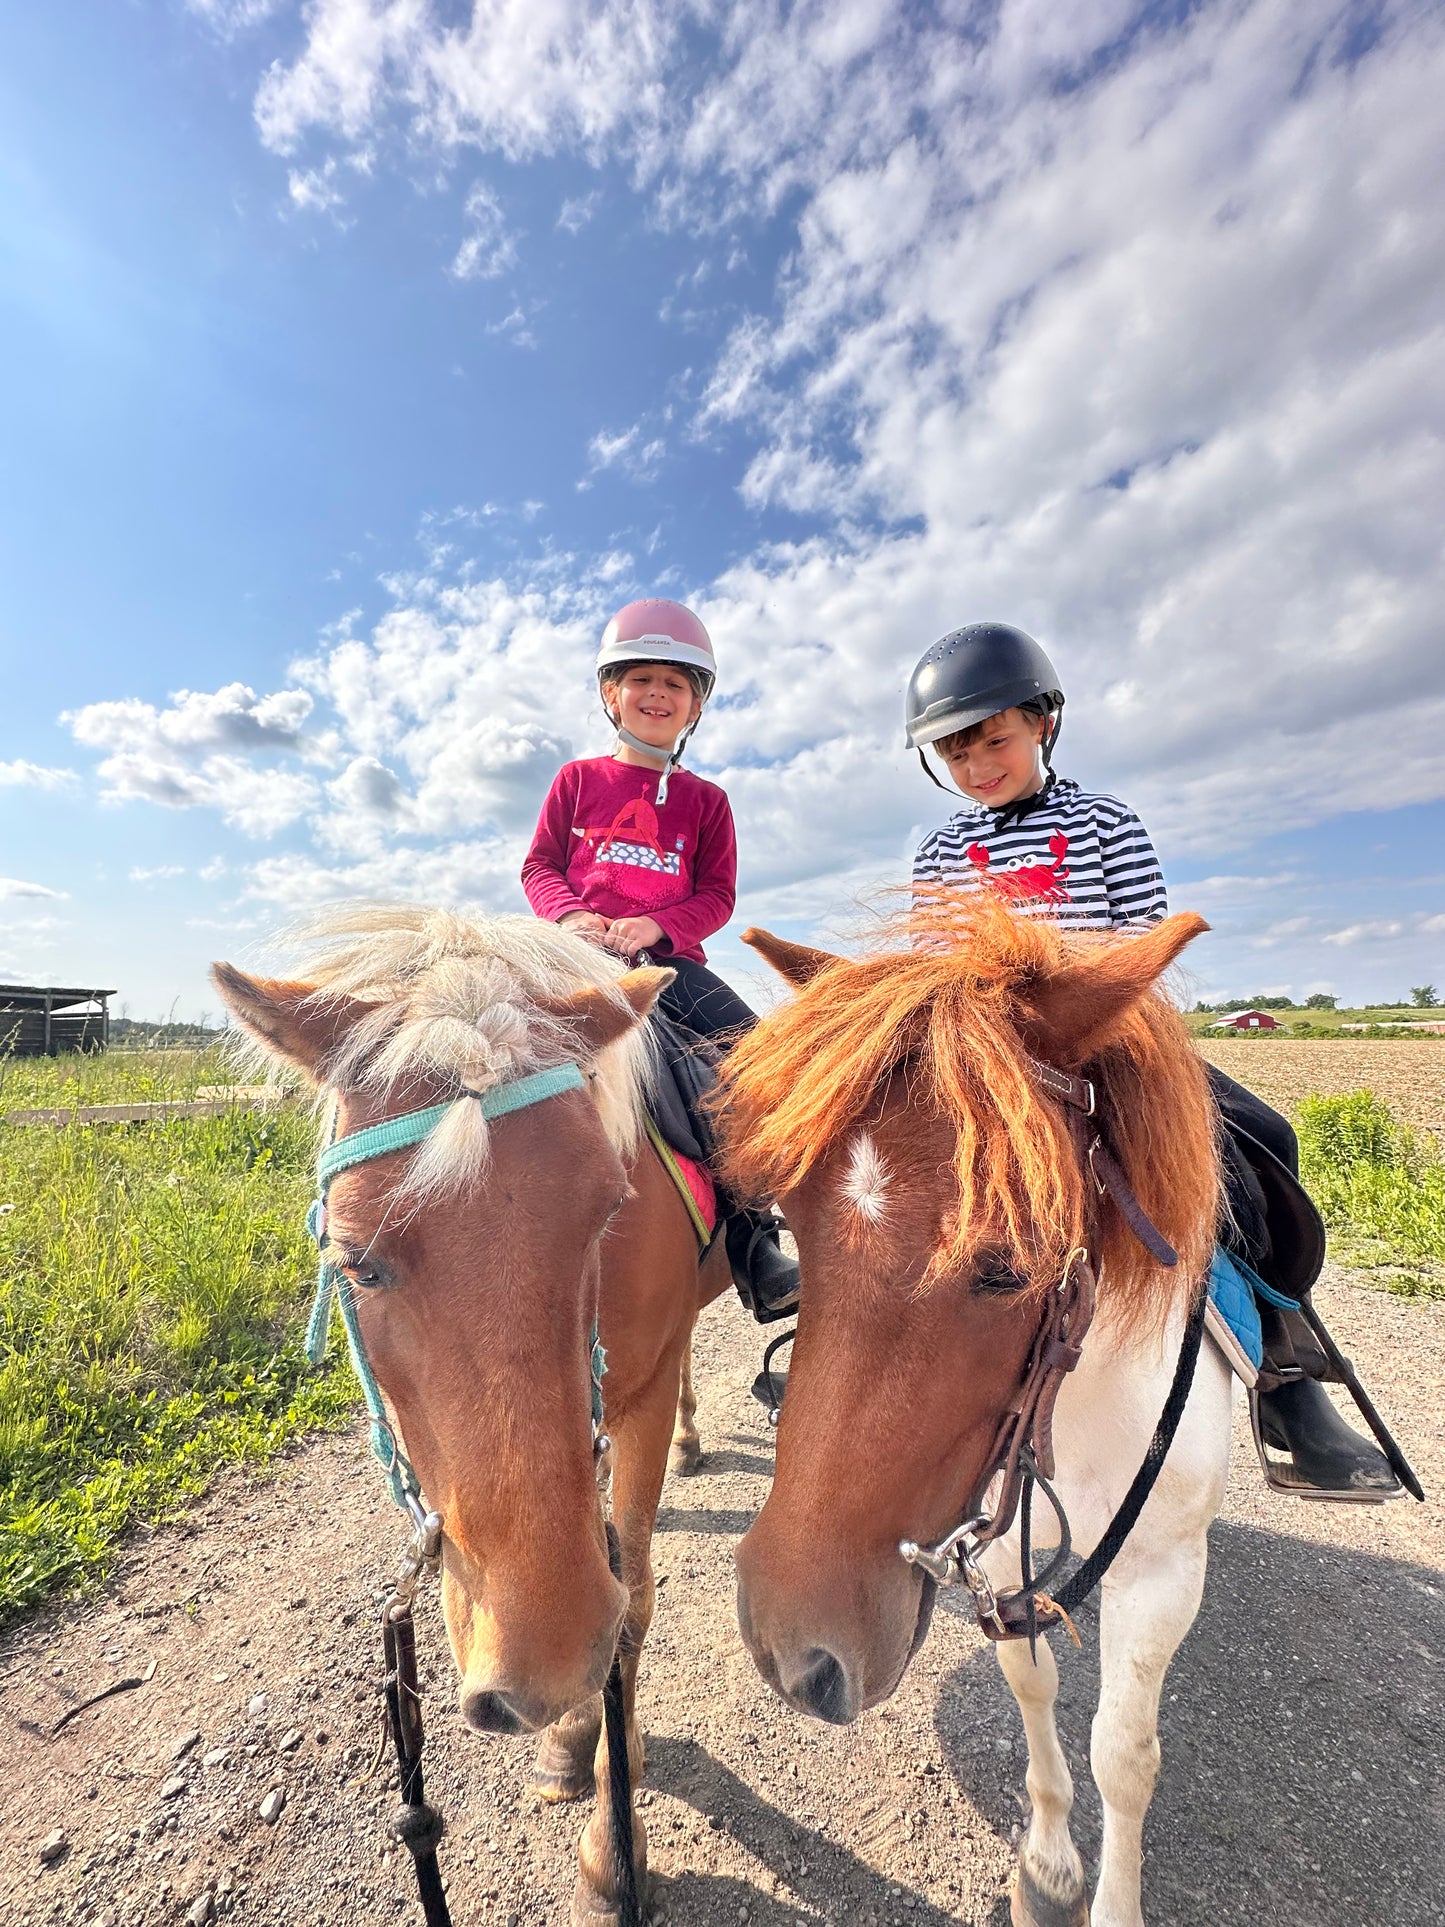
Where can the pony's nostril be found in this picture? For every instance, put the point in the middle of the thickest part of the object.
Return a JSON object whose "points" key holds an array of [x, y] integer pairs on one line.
{"points": [[492, 1713], [824, 1689]]}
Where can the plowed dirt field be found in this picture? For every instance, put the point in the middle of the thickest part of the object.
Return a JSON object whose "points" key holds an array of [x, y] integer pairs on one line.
{"points": [[1409, 1077]]}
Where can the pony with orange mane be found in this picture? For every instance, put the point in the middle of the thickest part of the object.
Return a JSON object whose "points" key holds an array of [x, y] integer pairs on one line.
{"points": [[904, 1110]]}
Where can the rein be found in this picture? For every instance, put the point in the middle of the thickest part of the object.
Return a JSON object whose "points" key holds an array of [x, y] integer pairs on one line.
{"points": [[1023, 1452], [416, 1824]]}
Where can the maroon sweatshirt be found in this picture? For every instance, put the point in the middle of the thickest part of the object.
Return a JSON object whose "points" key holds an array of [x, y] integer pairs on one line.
{"points": [[603, 845]]}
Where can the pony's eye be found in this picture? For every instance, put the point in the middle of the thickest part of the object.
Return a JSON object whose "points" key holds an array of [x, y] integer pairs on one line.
{"points": [[363, 1272], [996, 1274]]}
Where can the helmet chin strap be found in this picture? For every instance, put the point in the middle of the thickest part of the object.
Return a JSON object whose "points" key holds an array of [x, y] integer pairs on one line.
{"points": [[670, 758]]}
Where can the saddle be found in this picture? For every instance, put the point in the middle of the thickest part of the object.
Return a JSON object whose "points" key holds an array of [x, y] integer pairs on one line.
{"points": [[681, 1076]]}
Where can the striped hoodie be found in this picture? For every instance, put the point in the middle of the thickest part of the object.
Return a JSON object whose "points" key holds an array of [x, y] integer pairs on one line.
{"points": [[1084, 860]]}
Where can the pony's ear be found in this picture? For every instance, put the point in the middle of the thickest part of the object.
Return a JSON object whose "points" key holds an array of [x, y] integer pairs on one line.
{"points": [[600, 1016], [795, 961], [1072, 1016], [286, 1018]]}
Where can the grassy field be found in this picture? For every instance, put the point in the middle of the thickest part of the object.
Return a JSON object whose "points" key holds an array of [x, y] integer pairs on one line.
{"points": [[154, 1281]]}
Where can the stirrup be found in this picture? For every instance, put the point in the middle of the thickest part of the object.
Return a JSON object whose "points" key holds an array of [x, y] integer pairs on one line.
{"points": [[1280, 1473], [769, 1386]]}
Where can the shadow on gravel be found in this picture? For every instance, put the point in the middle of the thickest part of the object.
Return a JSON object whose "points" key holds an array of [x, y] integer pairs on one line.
{"points": [[816, 1872], [702, 1519], [1302, 1726], [755, 1464]]}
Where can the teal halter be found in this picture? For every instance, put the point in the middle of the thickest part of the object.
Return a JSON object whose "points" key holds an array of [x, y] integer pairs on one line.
{"points": [[360, 1147]]}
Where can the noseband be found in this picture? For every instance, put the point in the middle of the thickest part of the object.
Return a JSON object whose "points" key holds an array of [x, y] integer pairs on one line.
{"points": [[1022, 1457]]}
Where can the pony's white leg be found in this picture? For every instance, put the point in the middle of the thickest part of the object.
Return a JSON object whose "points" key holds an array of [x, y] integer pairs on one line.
{"points": [[1049, 1887], [1143, 1617]]}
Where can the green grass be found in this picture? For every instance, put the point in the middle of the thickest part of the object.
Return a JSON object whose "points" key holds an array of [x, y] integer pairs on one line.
{"points": [[1298, 1022], [154, 1282], [108, 1077], [1380, 1187]]}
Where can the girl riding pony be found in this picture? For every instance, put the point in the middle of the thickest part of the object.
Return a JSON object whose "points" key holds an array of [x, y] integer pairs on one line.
{"points": [[637, 854]]}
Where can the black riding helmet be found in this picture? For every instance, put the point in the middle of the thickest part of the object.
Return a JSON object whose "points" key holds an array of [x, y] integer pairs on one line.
{"points": [[971, 674]]}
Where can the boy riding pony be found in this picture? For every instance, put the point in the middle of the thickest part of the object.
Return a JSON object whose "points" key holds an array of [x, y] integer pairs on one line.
{"points": [[989, 702]]}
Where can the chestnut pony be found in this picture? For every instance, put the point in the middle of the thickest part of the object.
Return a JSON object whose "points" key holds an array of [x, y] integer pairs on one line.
{"points": [[477, 1262], [936, 1196]]}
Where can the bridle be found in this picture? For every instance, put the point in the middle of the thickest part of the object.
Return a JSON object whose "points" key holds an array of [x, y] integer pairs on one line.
{"points": [[416, 1824], [1022, 1458]]}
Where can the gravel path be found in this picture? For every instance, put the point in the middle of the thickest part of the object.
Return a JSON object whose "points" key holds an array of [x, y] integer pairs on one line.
{"points": [[1302, 1727]]}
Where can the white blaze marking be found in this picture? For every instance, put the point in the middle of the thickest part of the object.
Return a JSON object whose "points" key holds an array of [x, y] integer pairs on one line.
{"points": [[865, 1183]]}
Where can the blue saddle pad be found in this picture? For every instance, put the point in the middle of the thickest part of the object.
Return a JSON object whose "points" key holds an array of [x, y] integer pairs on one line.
{"points": [[1233, 1287]]}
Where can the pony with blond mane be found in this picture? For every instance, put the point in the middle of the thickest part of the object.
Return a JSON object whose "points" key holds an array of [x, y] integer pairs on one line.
{"points": [[476, 1262], [895, 1108]]}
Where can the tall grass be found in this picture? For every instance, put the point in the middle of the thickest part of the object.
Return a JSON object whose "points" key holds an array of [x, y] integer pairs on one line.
{"points": [[153, 1286], [1379, 1186], [107, 1077]]}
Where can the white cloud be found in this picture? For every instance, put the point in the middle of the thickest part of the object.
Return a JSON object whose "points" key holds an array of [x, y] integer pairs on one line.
{"points": [[1377, 930], [515, 328], [490, 249], [636, 455], [231, 17], [160, 873], [23, 775], [14, 887], [196, 753], [314, 189], [577, 210]]}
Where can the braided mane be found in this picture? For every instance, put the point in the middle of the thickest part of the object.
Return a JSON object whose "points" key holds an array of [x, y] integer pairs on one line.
{"points": [[966, 993]]}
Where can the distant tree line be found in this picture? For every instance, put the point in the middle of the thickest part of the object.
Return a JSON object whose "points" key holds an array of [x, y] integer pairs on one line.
{"points": [[1422, 997], [134, 1033]]}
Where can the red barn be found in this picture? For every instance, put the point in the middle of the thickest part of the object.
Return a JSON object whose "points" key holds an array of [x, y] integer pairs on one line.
{"points": [[1246, 1020]]}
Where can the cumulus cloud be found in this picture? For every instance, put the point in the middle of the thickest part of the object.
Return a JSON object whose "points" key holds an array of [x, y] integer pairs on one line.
{"points": [[15, 887], [198, 753], [22, 775]]}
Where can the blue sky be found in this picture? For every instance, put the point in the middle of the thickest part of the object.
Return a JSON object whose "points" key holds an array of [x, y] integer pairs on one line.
{"points": [[363, 355]]}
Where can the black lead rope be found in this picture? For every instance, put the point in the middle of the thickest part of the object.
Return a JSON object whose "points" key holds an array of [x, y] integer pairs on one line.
{"points": [[1072, 1595], [619, 1770], [418, 1826]]}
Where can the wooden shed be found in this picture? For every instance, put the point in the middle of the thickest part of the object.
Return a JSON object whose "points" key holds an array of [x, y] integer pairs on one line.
{"points": [[41, 1020]]}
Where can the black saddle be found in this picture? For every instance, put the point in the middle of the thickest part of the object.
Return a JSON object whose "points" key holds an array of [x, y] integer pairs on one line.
{"points": [[1272, 1222], [682, 1076]]}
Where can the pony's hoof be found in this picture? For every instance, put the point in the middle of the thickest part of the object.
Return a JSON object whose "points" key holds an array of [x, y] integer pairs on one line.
{"points": [[685, 1458], [565, 1766], [1030, 1906], [556, 1788], [591, 1909]]}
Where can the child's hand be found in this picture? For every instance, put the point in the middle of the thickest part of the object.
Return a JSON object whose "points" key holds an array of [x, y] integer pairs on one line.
{"points": [[630, 934], [585, 923]]}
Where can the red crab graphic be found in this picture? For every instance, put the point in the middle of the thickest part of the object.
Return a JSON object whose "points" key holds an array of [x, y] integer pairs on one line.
{"points": [[1027, 882]]}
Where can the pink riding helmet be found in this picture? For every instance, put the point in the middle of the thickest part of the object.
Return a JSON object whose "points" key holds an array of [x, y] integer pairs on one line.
{"points": [[656, 630]]}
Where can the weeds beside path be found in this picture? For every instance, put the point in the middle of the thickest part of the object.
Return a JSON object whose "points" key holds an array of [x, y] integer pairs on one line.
{"points": [[153, 1284]]}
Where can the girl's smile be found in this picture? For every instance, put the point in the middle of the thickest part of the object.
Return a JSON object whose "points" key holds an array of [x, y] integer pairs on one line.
{"points": [[654, 702]]}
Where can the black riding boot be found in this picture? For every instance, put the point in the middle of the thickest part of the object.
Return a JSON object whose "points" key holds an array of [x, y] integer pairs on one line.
{"points": [[766, 1278], [1327, 1459], [1326, 1456]]}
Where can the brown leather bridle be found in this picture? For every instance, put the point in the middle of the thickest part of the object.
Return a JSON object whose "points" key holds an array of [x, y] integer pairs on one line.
{"points": [[1022, 1457]]}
